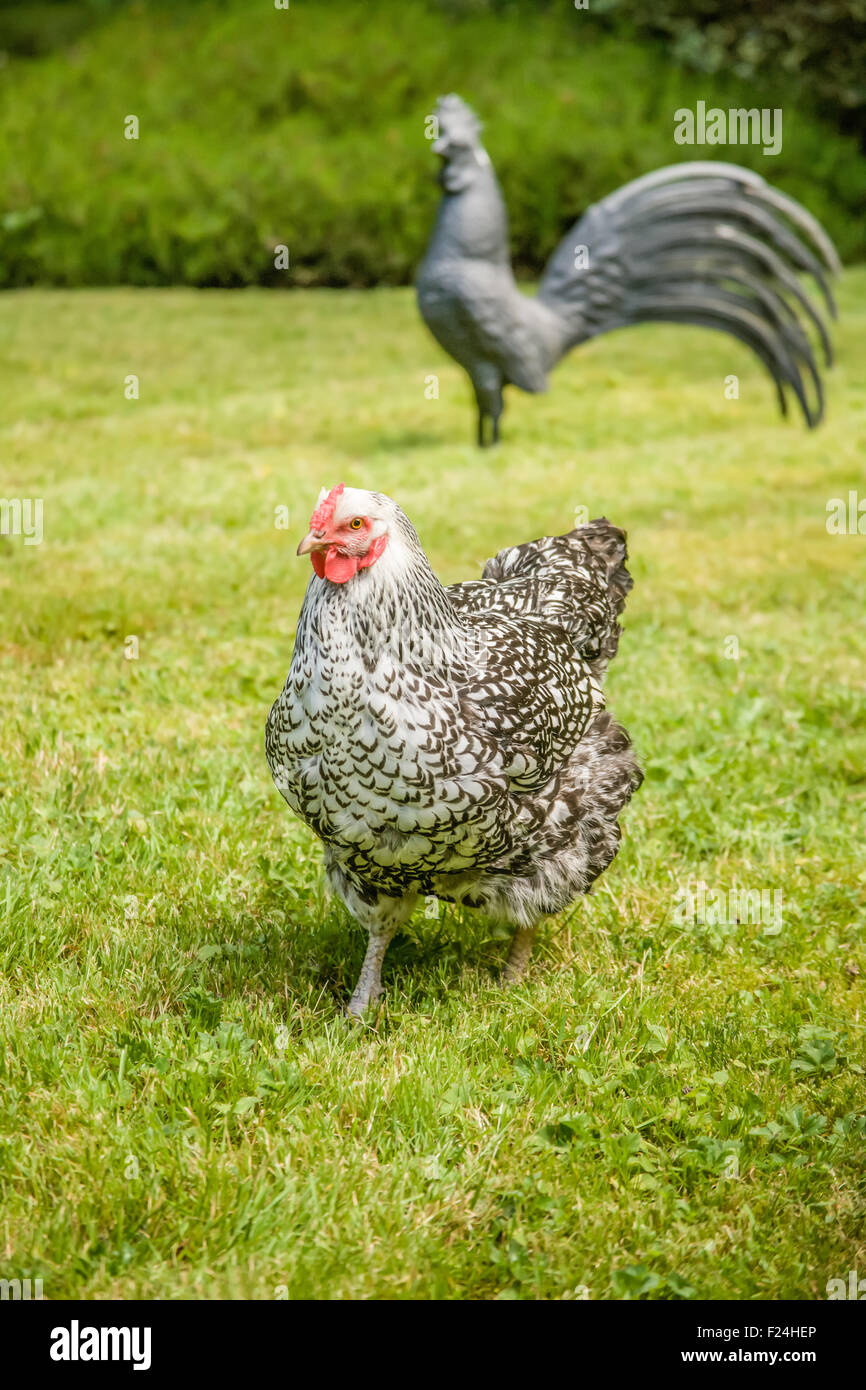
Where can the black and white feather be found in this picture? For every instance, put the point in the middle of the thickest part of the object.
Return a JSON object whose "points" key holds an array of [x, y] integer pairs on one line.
{"points": [[453, 741]]}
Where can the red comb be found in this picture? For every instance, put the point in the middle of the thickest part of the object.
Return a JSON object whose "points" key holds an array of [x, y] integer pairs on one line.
{"points": [[325, 511]]}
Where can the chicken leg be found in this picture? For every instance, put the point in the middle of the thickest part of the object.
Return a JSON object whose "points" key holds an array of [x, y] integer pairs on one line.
{"points": [[383, 918], [518, 956]]}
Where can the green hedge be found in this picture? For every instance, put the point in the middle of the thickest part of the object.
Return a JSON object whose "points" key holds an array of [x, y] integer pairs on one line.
{"points": [[306, 127]]}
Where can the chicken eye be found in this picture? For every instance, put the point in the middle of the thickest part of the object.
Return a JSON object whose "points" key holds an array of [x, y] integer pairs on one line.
{"points": [[356, 523]]}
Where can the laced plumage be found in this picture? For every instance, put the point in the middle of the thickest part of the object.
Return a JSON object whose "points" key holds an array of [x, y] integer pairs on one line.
{"points": [[453, 742]]}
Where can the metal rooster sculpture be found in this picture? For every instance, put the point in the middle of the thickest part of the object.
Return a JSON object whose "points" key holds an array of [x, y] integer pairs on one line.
{"points": [[698, 243]]}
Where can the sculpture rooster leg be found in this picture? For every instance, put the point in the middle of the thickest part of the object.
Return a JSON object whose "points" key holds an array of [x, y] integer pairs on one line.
{"points": [[490, 407], [518, 956], [382, 918]]}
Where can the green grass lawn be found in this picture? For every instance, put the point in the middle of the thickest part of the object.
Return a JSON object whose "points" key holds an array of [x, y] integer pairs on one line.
{"points": [[663, 1109]]}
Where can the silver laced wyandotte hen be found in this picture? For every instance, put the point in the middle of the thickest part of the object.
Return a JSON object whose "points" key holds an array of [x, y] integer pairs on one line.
{"points": [[453, 742], [705, 243]]}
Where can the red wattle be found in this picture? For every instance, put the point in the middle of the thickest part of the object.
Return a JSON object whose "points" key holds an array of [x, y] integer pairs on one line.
{"points": [[339, 568], [318, 560]]}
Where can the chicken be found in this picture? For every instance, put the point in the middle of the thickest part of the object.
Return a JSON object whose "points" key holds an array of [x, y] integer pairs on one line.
{"points": [[453, 742], [696, 243]]}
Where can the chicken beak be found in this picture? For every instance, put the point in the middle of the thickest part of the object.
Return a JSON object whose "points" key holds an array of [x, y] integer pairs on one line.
{"points": [[312, 542]]}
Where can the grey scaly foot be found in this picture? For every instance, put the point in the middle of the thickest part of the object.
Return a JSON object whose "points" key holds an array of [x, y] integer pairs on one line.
{"points": [[369, 989], [518, 956]]}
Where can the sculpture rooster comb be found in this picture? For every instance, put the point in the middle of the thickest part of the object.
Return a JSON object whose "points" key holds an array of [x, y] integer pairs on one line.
{"points": [[457, 120]]}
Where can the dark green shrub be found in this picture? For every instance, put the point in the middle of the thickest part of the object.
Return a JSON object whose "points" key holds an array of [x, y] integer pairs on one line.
{"points": [[820, 43], [306, 127]]}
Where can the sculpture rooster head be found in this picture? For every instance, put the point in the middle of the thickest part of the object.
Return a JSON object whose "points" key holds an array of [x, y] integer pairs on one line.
{"points": [[458, 145], [349, 531]]}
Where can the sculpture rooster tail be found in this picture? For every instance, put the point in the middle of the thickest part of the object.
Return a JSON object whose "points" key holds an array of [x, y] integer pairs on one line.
{"points": [[704, 243]]}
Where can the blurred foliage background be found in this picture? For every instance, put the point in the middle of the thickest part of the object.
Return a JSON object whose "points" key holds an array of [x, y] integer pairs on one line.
{"points": [[305, 127]]}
